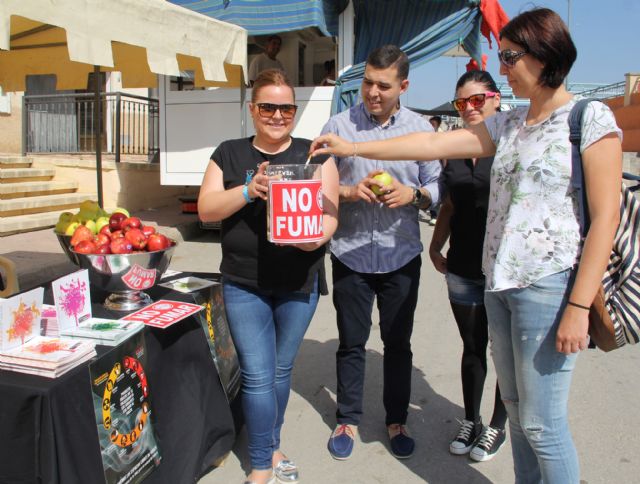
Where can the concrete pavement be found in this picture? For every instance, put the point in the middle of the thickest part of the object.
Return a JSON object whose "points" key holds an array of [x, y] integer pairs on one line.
{"points": [[603, 406]]}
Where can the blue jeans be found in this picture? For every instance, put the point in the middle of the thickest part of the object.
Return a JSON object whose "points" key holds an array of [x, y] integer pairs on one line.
{"points": [[267, 332], [534, 378]]}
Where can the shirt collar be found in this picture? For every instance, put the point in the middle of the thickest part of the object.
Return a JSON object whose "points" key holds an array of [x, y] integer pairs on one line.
{"points": [[374, 121]]}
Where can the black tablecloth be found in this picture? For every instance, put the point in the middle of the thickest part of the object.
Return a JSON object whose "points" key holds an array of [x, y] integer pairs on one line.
{"points": [[48, 426]]}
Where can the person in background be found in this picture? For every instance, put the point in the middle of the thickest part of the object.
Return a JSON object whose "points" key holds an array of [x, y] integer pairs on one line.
{"points": [[270, 291], [537, 296], [462, 220], [330, 73], [376, 251], [267, 59], [436, 122]]}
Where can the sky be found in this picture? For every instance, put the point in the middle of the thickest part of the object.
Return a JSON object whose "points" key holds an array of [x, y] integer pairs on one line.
{"points": [[604, 31]]}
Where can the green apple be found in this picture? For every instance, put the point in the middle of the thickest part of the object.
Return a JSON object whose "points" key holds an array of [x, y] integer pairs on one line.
{"points": [[65, 217], [101, 222], [91, 225], [385, 179], [71, 228], [122, 210], [61, 226]]}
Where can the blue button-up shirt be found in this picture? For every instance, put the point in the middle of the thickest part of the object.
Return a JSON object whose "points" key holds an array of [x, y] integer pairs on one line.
{"points": [[372, 238]]}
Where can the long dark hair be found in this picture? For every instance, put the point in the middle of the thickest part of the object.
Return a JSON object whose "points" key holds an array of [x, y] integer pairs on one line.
{"points": [[481, 77]]}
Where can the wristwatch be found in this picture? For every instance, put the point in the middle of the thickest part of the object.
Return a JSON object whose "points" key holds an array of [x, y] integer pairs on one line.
{"points": [[417, 197]]}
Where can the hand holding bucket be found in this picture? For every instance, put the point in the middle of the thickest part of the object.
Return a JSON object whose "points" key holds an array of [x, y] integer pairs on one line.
{"points": [[294, 205]]}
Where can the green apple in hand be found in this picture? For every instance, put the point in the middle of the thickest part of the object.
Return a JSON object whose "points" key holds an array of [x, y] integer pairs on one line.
{"points": [[385, 179]]}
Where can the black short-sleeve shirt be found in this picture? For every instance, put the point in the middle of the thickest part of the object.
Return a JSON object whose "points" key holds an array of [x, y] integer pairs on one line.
{"points": [[247, 256], [468, 187]]}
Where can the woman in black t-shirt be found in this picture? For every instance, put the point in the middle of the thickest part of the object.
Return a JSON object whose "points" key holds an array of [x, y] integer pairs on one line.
{"points": [[462, 220], [270, 291]]}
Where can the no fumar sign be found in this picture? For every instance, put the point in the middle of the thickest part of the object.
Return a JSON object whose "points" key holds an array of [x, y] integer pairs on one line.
{"points": [[295, 211]]}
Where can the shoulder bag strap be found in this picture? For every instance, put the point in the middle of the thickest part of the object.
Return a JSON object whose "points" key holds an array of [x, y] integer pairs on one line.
{"points": [[577, 173]]}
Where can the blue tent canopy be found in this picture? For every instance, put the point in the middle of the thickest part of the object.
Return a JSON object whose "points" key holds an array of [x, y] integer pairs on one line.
{"points": [[271, 16], [424, 29]]}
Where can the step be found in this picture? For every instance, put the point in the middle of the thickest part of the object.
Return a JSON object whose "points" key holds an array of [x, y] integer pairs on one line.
{"points": [[45, 203], [16, 175], [17, 161], [27, 223], [36, 188]]}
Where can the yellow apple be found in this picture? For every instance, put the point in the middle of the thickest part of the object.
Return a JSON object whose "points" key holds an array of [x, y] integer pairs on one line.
{"points": [[101, 222], [122, 210], [71, 228], [385, 179], [91, 225]]}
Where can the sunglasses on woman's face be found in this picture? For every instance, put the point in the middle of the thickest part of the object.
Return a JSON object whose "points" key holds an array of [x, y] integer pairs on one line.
{"points": [[476, 101], [508, 57], [268, 110]]}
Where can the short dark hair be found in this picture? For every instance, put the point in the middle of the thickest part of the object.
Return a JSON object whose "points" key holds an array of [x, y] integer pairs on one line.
{"points": [[274, 36], [436, 119], [543, 35], [388, 56]]}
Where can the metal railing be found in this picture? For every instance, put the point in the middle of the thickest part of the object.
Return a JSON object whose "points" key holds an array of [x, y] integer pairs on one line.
{"points": [[65, 123]]}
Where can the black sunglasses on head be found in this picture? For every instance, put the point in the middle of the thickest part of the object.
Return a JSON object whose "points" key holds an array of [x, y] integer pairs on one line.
{"points": [[268, 110], [508, 57]]}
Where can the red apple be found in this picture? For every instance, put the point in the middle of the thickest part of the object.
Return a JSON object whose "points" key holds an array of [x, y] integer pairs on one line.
{"points": [[131, 223], [157, 242], [101, 239], [121, 246], [148, 230], [117, 234], [115, 221], [81, 233], [137, 238], [104, 249], [106, 230], [85, 246]]}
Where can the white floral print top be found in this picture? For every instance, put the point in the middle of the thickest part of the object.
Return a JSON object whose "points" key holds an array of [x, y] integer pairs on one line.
{"points": [[532, 226]]}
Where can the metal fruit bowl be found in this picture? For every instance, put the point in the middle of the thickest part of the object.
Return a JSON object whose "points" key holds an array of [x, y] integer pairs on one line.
{"points": [[125, 276], [65, 243]]}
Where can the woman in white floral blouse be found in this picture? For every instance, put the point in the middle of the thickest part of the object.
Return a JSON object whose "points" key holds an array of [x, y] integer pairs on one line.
{"points": [[536, 296]]}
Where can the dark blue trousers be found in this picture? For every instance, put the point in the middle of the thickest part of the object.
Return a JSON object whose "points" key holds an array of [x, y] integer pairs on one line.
{"points": [[396, 294]]}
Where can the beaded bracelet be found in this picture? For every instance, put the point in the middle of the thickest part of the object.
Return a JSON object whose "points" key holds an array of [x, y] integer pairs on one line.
{"points": [[570, 303]]}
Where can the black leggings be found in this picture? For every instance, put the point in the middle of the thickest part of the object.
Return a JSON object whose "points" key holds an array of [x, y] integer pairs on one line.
{"points": [[472, 324]]}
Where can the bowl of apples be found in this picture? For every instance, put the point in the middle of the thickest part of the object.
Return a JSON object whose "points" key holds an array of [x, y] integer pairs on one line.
{"points": [[124, 258]]}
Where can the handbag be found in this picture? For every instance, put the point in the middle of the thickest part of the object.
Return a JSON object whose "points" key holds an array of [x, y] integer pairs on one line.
{"points": [[614, 315]]}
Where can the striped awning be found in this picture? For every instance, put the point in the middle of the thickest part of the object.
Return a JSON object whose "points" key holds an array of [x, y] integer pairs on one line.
{"points": [[271, 16]]}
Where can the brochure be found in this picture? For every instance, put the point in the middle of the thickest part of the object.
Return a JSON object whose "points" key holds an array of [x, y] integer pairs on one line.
{"points": [[108, 332], [163, 313], [20, 318], [72, 299], [188, 284]]}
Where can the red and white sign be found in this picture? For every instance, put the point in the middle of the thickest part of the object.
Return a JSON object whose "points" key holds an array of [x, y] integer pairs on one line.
{"points": [[295, 211], [163, 313], [139, 278]]}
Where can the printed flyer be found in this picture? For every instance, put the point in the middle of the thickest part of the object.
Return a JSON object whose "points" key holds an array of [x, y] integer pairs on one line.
{"points": [[214, 323], [121, 399]]}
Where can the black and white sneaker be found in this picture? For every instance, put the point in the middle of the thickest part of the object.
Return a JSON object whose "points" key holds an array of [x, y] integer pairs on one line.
{"points": [[488, 444], [467, 435]]}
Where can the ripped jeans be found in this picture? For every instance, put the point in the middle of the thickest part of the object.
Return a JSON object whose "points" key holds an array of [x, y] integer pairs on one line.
{"points": [[534, 378]]}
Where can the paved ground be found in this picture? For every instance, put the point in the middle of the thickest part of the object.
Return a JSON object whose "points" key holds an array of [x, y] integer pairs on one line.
{"points": [[603, 406]]}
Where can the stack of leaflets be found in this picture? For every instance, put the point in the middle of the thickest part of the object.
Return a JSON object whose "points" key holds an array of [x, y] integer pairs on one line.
{"points": [[108, 332], [50, 357]]}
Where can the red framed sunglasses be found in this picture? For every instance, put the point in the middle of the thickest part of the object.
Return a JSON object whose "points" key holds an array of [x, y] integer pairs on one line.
{"points": [[476, 101]]}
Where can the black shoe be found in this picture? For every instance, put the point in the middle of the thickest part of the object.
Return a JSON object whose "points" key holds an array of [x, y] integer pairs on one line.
{"points": [[488, 444], [467, 435], [402, 445]]}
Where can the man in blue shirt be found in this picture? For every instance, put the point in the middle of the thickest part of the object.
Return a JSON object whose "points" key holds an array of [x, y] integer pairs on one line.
{"points": [[376, 250]]}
